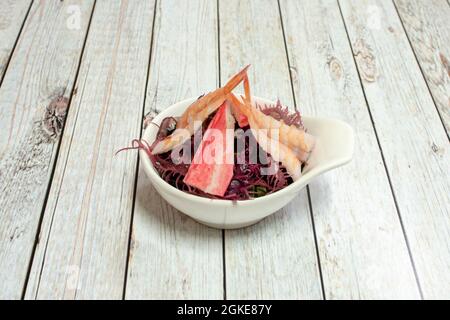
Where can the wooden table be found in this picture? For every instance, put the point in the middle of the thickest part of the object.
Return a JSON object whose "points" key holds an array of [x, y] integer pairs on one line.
{"points": [[77, 222]]}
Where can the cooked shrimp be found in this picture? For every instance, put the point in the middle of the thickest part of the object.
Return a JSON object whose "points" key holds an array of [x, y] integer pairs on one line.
{"points": [[302, 155], [291, 136], [278, 151], [248, 96], [240, 117], [198, 112]]}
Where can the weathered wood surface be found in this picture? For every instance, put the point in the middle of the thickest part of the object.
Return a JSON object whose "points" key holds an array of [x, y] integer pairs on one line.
{"points": [[275, 259], [427, 24], [411, 136], [82, 252], [42, 68], [172, 256], [376, 228], [12, 15], [361, 245]]}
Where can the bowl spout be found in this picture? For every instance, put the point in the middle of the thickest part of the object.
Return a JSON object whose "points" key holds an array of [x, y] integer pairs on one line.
{"points": [[334, 145]]}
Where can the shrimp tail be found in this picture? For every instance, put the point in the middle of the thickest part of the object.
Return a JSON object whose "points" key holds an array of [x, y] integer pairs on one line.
{"points": [[198, 112], [207, 104], [247, 90], [236, 79]]}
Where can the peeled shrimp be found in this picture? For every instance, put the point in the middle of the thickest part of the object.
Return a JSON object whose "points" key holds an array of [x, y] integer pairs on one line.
{"points": [[277, 150], [292, 136], [297, 139], [196, 113]]}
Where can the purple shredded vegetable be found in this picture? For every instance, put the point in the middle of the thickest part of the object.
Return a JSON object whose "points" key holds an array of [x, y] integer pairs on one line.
{"points": [[247, 182]]}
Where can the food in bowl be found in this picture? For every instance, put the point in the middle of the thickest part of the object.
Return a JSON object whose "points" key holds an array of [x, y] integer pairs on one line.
{"points": [[225, 146]]}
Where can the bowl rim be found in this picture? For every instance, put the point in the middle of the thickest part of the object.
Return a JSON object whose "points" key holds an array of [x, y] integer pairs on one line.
{"points": [[294, 186]]}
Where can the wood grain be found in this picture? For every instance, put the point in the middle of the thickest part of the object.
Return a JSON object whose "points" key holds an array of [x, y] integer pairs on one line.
{"points": [[427, 25], [42, 68], [12, 15], [83, 247], [275, 259], [411, 136], [363, 253], [172, 256], [377, 228]]}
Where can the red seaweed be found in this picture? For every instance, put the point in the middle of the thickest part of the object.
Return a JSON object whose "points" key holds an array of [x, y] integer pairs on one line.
{"points": [[247, 182]]}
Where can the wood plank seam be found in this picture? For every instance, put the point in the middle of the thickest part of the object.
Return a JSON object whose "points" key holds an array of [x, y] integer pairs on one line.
{"points": [[113, 71], [102, 119], [307, 187], [421, 69], [383, 158], [35, 49], [138, 160], [2, 76], [164, 241], [287, 54], [224, 264], [51, 220], [73, 91], [347, 225], [224, 268], [319, 265], [218, 39], [269, 270]]}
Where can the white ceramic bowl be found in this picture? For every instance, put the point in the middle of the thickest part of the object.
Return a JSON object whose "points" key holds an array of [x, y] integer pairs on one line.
{"points": [[334, 148]]}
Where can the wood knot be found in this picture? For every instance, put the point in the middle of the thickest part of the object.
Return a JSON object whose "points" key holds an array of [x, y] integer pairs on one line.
{"points": [[365, 61], [54, 116], [335, 68], [436, 149], [16, 234]]}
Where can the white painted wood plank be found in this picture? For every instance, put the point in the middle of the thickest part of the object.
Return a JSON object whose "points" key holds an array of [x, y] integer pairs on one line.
{"points": [[83, 248], [171, 255], [363, 253], [427, 24], [275, 259], [42, 68], [413, 140], [12, 15]]}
